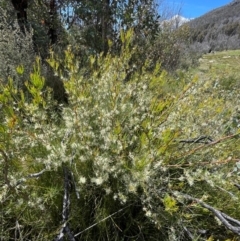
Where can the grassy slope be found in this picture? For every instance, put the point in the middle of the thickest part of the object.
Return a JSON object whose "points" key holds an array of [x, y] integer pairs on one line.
{"points": [[226, 63], [222, 71], [211, 106]]}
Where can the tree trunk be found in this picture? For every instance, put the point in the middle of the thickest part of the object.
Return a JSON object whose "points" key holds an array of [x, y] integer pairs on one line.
{"points": [[21, 7], [105, 24]]}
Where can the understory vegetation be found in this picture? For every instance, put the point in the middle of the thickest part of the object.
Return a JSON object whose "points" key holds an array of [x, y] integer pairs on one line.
{"points": [[119, 144]]}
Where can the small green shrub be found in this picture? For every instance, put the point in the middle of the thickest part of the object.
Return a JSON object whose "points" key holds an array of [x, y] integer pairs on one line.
{"points": [[229, 83]]}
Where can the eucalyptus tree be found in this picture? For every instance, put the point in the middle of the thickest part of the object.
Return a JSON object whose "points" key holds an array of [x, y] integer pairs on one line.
{"points": [[97, 22]]}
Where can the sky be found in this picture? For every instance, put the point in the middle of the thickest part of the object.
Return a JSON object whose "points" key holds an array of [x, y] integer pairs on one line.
{"points": [[196, 8]]}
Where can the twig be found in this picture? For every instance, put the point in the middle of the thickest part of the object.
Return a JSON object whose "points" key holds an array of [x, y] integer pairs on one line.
{"points": [[36, 174], [6, 166], [229, 193], [229, 222], [200, 139], [33, 175], [208, 145], [188, 233], [203, 163], [74, 184], [237, 185], [18, 231], [104, 219]]}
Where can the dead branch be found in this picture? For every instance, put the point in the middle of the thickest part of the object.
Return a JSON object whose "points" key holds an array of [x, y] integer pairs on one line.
{"points": [[237, 186], [200, 139], [6, 166], [66, 206], [203, 163], [229, 222], [33, 175], [36, 174], [208, 145]]}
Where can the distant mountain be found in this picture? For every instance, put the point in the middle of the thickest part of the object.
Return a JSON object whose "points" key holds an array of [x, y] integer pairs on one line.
{"points": [[176, 21], [218, 29]]}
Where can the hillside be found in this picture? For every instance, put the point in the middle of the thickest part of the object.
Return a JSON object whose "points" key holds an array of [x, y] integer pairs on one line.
{"points": [[218, 29]]}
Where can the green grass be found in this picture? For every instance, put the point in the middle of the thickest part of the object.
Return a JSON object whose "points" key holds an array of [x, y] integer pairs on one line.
{"points": [[221, 62], [221, 67]]}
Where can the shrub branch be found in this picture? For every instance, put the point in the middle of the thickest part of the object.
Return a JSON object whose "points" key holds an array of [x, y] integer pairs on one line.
{"points": [[66, 206]]}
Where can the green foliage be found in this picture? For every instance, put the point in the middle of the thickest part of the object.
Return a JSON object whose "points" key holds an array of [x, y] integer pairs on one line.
{"points": [[170, 204], [15, 49], [132, 148], [96, 22], [170, 47], [106, 137]]}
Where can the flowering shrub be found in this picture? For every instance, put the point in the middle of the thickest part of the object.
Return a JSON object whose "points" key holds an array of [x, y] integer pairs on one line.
{"points": [[123, 151], [107, 136]]}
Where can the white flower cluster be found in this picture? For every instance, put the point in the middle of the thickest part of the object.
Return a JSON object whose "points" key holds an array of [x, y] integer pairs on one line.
{"points": [[112, 127]]}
